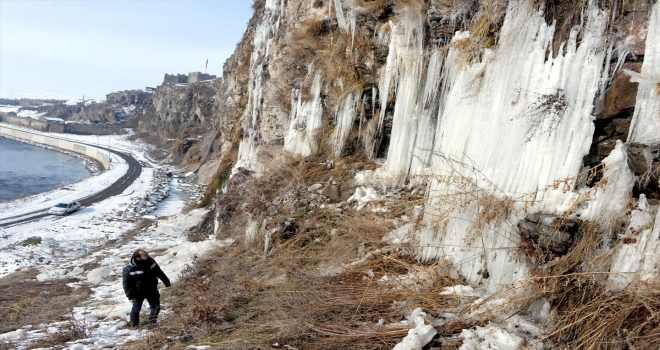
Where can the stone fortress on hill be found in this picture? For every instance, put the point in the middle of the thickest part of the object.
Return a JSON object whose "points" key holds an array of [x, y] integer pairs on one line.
{"points": [[193, 77]]}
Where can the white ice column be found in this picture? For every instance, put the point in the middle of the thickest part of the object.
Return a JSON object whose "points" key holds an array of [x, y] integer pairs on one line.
{"points": [[263, 37], [305, 119], [510, 125], [645, 126], [344, 119], [415, 83]]}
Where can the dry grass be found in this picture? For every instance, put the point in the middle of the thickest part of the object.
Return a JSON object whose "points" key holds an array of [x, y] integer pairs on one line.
{"points": [[25, 301], [317, 286], [240, 298], [591, 316]]}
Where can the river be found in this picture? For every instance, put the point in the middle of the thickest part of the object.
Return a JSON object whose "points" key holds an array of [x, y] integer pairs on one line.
{"points": [[26, 169]]}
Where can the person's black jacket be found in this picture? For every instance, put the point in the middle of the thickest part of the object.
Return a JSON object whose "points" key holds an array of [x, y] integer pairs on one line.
{"points": [[141, 278]]}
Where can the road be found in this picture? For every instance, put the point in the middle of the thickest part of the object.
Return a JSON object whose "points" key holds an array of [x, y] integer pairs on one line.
{"points": [[133, 172]]}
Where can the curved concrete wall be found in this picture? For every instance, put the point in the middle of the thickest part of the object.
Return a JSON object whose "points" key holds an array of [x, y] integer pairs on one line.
{"points": [[88, 151]]}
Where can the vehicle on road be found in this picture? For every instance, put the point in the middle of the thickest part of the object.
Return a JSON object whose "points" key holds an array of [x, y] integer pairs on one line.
{"points": [[64, 208]]}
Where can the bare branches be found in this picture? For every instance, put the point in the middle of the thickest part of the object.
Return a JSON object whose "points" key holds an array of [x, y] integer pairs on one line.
{"points": [[545, 114]]}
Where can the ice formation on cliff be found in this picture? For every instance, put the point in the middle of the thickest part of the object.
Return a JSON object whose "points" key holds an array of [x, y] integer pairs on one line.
{"points": [[305, 118], [645, 126], [263, 37], [502, 132], [496, 117]]}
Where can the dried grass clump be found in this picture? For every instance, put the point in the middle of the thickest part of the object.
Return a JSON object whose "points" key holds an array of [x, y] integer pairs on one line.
{"points": [[483, 32], [588, 313], [591, 316], [239, 297], [25, 301]]}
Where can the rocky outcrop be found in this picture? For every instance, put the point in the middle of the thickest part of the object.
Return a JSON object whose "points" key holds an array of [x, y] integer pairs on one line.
{"points": [[118, 106], [644, 162], [178, 117], [549, 232]]}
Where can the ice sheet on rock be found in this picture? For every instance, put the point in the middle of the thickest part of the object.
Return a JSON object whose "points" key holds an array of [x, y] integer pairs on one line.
{"points": [[638, 252], [401, 235], [610, 200], [305, 119], [467, 291], [514, 333], [175, 259], [362, 196], [498, 115], [645, 125], [263, 38], [13, 335], [98, 275]]}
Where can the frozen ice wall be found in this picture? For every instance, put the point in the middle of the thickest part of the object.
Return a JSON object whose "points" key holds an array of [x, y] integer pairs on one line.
{"points": [[645, 126], [638, 252], [305, 119], [414, 82], [263, 37], [510, 125]]}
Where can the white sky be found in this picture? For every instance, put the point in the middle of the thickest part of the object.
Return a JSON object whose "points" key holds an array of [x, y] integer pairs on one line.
{"points": [[66, 49]]}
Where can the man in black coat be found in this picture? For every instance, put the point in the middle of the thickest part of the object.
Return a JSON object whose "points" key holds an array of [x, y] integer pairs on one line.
{"points": [[140, 282]]}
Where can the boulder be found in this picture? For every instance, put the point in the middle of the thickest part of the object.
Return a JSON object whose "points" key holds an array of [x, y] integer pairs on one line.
{"points": [[644, 162], [620, 95], [332, 192], [548, 232]]}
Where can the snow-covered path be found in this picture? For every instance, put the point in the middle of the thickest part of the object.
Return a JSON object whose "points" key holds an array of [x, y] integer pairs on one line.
{"points": [[101, 238]]}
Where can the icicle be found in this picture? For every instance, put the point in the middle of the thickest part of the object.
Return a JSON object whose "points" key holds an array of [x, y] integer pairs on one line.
{"points": [[266, 29], [361, 119], [304, 120], [352, 19], [415, 110], [510, 125], [341, 19], [632, 251], [645, 125], [344, 116]]}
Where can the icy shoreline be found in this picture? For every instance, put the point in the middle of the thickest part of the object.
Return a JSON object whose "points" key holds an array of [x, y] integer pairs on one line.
{"points": [[92, 165], [93, 244]]}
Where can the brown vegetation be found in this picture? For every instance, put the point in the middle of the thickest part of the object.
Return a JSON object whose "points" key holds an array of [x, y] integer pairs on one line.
{"points": [[316, 282], [25, 301]]}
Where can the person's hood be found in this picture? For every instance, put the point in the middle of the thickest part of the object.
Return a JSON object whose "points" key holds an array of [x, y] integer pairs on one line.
{"points": [[149, 262]]}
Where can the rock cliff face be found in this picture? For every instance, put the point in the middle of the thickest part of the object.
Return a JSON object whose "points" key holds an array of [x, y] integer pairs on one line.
{"points": [[178, 117], [503, 98], [118, 106], [514, 141]]}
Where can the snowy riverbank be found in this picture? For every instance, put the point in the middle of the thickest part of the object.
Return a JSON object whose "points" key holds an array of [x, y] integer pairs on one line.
{"points": [[94, 244]]}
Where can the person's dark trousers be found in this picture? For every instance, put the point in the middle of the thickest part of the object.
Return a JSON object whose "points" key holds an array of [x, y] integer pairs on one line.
{"points": [[154, 304]]}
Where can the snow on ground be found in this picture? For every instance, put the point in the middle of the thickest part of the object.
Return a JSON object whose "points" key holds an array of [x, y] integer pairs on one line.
{"points": [[59, 247], [105, 313], [8, 109], [31, 114]]}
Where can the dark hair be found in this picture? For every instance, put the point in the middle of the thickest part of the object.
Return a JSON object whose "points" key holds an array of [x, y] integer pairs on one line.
{"points": [[136, 254]]}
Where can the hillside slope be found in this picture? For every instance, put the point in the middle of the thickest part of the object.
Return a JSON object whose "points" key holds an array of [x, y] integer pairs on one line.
{"points": [[374, 155]]}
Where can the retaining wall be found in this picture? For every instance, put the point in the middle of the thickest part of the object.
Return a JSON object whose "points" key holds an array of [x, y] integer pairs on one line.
{"points": [[39, 125], [72, 128], [88, 151]]}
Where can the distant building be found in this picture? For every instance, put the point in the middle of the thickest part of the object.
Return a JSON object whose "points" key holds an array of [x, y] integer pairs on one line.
{"points": [[193, 77], [197, 76], [175, 79], [148, 88]]}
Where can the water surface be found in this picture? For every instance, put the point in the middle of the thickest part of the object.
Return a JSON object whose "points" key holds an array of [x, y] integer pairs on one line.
{"points": [[26, 169]]}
